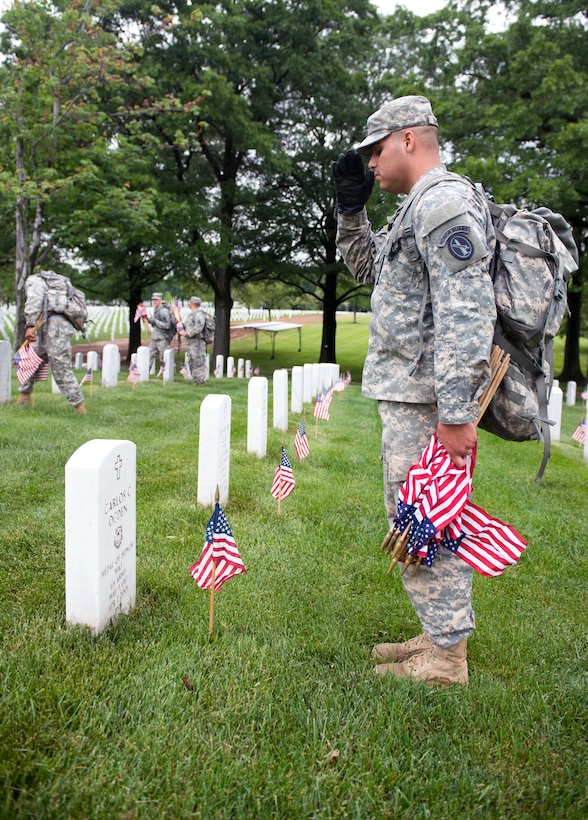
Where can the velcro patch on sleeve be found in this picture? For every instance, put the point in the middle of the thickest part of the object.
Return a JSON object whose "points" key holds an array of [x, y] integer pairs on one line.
{"points": [[456, 236]]}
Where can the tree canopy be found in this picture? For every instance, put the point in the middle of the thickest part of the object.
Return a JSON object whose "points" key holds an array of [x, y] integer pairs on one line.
{"points": [[189, 147]]}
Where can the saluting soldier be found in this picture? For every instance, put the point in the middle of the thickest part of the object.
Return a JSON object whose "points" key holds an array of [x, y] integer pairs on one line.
{"points": [[433, 315]]}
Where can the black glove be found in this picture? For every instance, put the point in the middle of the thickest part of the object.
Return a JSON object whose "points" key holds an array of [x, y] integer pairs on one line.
{"points": [[353, 182]]}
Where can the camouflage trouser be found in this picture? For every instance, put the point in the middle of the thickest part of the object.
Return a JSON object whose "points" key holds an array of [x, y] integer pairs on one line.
{"points": [[441, 595], [157, 348], [196, 356], [54, 345]]}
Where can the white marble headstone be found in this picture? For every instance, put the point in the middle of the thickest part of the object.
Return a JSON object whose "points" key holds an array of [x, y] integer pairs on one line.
{"points": [[554, 410], [280, 397], [307, 384], [143, 362], [5, 371], [79, 361], [315, 378], [170, 365], [100, 532], [248, 369], [110, 365], [219, 366], [93, 360], [297, 386], [571, 393], [257, 390], [230, 367], [240, 368], [214, 449]]}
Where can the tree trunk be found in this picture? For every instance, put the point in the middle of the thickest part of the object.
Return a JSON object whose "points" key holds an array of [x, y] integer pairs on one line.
{"points": [[223, 304], [134, 327], [572, 370], [328, 343], [28, 242]]}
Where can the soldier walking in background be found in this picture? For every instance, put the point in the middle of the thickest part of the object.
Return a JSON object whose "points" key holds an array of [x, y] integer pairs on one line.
{"points": [[52, 342], [195, 343], [163, 329]]}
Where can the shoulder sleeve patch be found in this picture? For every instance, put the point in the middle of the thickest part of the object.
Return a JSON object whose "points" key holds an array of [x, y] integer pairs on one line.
{"points": [[451, 232]]}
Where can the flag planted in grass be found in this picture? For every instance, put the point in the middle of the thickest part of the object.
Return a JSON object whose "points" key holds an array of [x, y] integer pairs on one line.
{"points": [[87, 379], [322, 404], [27, 361], [220, 558], [301, 441], [579, 433], [283, 482], [134, 374]]}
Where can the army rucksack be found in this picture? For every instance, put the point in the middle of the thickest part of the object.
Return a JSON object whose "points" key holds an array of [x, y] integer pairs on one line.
{"points": [[62, 297], [208, 329], [533, 261]]}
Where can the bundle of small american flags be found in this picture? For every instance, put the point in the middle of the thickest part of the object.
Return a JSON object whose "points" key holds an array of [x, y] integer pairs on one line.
{"points": [[434, 510], [27, 362]]}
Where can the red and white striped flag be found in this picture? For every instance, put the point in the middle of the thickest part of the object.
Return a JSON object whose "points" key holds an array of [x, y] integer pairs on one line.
{"points": [[87, 378], [579, 433], [321, 405], [484, 542], [27, 361], [220, 548], [283, 482], [301, 441], [42, 373], [140, 312], [134, 374]]}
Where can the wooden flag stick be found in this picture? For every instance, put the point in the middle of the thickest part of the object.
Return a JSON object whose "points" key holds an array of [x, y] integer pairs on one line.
{"points": [[211, 616], [280, 491], [212, 577], [499, 361]]}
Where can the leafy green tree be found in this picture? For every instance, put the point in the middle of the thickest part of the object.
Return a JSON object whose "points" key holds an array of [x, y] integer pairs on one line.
{"points": [[58, 60], [512, 107], [249, 64]]}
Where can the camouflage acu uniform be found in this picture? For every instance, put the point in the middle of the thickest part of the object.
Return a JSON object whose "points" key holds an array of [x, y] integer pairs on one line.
{"points": [[53, 343], [162, 332], [195, 345], [428, 355]]}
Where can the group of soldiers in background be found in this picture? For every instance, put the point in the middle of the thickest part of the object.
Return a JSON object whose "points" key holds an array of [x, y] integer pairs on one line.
{"points": [[166, 321]]}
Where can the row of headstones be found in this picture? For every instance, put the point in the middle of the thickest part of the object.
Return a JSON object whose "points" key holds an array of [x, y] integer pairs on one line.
{"points": [[307, 380], [100, 498]]}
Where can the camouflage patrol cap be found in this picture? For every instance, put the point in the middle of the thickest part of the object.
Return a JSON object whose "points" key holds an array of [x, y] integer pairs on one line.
{"points": [[157, 296], [195, 300], [403, 112]]}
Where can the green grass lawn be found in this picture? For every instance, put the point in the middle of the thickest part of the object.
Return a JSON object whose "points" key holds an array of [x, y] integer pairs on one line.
{"points": [[286, 718]]}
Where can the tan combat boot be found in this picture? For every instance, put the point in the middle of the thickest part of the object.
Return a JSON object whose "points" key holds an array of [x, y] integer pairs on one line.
{"points": [[80, 408], [401, 651], [434, 665], [24, 398]]}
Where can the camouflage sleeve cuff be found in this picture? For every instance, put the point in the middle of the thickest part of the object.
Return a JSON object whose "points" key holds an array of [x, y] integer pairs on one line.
{"points": [[463, 413], [353, 220]]}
